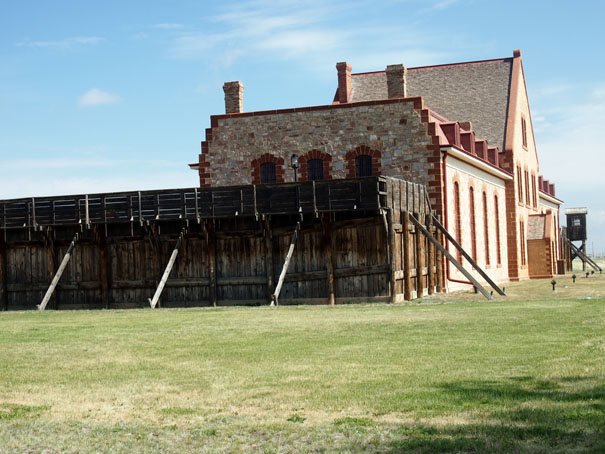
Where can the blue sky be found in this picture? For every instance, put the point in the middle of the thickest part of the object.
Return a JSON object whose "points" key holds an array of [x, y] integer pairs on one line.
{"points": [[115, 95]]}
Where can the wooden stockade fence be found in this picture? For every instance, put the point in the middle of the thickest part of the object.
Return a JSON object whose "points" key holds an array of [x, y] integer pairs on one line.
{"points": [[355, 242]]}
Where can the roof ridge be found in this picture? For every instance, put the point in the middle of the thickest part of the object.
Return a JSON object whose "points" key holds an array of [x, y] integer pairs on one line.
{"points": [[473, 62]]}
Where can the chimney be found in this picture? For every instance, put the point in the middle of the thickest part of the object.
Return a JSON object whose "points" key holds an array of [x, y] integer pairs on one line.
{"points": [[234, 97], [397, 81], [344, 81]]}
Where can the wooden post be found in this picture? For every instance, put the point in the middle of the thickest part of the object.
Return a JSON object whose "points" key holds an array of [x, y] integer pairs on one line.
{"points": [[327, 231], [282, 276], [105, 269], [211, 262], [583, 249], [167, 271], [51, 259], [407, 267], [419, 263], [3, 284], [156, 247], [55, 280], [268, 256], [392, 257], [430, 257]]}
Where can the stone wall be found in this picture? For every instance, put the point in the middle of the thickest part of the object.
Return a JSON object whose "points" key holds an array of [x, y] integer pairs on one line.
{"points": [[395, 133]]}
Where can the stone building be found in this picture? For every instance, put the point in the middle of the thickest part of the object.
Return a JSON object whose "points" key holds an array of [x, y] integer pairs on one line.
{"points": [[463, 130]]}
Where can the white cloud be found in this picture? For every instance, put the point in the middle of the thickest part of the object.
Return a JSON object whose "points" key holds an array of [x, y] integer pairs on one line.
{"points": [[66, 43], [95, 97]]}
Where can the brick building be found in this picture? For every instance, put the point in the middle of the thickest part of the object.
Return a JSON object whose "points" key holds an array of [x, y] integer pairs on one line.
{"points": [[463, 130]]}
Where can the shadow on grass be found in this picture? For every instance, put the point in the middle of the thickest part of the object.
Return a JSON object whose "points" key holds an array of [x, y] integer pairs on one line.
{"points": [[521, 415]]}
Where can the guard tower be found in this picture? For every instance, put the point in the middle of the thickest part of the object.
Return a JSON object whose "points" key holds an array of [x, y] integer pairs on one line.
{"points": [[576, 231]]}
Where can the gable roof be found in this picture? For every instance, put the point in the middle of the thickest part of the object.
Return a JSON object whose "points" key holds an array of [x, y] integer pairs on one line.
{"points": [[474, 91]]}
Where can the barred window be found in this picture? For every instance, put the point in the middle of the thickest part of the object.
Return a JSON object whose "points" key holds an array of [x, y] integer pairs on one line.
{"points": [[315, 169], [267, 173], [363, 166]]}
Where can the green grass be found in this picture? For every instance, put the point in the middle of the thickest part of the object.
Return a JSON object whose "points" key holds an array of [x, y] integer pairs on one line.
{"points": [[525, 373]]}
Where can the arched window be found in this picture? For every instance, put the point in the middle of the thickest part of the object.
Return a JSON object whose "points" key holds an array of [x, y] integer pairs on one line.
{"points": [[457, 219], [485, 229], [315, 169], [497, 218], [267, 173], [471, 206], [363, 166]]}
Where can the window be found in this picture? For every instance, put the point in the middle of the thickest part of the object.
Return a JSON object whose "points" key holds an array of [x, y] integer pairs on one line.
{"points": [[471, 195], [315, 169], [524, 131], [533, 191], [267, 173], [526, 188], [497, 217], [457, 219], [485, 229], [519, 184], [363, 166]]}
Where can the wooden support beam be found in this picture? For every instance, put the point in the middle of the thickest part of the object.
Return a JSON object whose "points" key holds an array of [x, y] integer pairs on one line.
{"points": [[420, 253], [430, 258], [579, 253], [407, 259], [392, 256], [452, 240], [58, 275], [268, 255], [153, 302], [275, 296], [3, 274], [451, 258], [327, 237], [211, 240]]}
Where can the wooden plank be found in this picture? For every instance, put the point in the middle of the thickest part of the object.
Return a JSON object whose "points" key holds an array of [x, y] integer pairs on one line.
{"points": [[468, 257], [58, 275], [268, 255], [275, 296], [211, 239], [392, 256], [3, 274], [104, 267], [451, 258], [407, 259], [154, 301], [438, 266], [51, 263], [329, 258], [430, 258]]}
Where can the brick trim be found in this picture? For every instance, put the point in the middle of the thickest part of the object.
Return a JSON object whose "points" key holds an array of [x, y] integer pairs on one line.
{"points": [[359, 151], [326, 159], [267, 158]]}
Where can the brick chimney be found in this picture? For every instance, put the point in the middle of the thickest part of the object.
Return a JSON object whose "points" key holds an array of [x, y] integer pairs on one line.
{"points": [[397, 81], [344, 82], [234, 97]]}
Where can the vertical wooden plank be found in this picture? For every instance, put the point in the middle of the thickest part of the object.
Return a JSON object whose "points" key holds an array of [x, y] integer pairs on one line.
{"points": [[393, 256], [51, 260], [211, 262], [104, 267], [3, 274], [329, 257], [407, 267], [430, 258], [420, 240]]}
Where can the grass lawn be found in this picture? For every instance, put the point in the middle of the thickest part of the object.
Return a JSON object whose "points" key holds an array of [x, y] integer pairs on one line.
{"points": [[525, 373]]}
